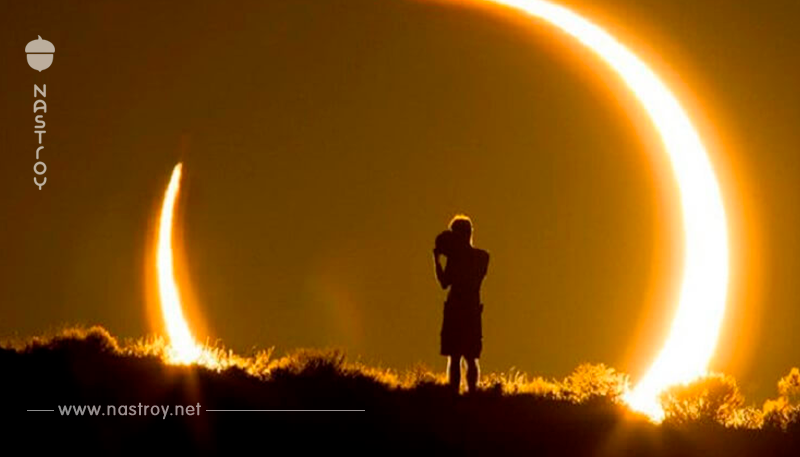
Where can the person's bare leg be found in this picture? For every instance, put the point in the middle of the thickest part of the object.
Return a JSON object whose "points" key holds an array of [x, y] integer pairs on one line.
{"points": [[473, 373], [454, 372]]}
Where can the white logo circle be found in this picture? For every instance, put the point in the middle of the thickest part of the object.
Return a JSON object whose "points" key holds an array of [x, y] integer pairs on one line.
{"points": [[40, 54]]}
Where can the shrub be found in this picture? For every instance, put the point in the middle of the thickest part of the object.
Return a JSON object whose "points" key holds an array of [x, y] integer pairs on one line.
{"points": [[784, 412], [789, 386], [591, 382], [714, 399]]}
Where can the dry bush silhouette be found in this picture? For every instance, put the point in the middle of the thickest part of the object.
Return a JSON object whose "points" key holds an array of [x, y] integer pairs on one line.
{"points": [[594, 382], [588, 382], [713, 399], [789, 386], [517, 382], [784, 412]]}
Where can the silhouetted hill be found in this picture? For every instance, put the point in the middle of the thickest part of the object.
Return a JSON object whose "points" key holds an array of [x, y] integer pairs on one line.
{"points": [[415, 414]]}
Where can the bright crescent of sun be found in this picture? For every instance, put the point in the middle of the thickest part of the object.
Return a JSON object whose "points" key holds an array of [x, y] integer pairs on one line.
{"points": [[695, 328]]}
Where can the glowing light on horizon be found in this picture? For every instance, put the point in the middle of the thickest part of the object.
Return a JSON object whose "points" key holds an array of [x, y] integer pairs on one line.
{"points": [[182, 347], [696, 326]]}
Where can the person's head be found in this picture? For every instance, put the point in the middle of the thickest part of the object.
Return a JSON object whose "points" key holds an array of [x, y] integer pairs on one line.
{"points": [[461, 226], [445, 243]]}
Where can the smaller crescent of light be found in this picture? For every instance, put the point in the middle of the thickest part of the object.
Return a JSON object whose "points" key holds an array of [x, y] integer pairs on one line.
{"points": [[182, 346]]}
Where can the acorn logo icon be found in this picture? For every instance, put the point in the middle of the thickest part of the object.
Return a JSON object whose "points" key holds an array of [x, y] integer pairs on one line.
{"points": [[40, 54]]}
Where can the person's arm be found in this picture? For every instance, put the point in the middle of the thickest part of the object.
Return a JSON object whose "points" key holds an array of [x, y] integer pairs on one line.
{"points": [[441, 274]]}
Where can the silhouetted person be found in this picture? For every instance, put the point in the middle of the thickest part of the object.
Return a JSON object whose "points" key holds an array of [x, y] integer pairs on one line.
{"points": [[466, 266]]}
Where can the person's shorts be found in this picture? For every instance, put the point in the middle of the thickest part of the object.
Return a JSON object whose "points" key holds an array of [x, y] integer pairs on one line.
{"points": [[461, 330]]}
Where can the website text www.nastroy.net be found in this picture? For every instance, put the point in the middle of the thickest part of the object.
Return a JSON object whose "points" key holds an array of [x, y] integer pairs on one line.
{"points": [[162, 411]]}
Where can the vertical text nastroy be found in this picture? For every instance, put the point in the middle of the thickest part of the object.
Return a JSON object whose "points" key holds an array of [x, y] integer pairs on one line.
{"points": [[39, 104]]}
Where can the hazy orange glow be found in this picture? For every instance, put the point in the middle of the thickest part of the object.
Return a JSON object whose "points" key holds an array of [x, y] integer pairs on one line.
{"points": [[696, 326], [182, 346]]}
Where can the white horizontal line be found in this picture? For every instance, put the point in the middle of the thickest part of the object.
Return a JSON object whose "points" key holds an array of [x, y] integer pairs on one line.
{"points": [[287, 410], [40, 410]]}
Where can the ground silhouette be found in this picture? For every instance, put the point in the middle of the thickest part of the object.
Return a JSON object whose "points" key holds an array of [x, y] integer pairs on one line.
{"points": [[411, 412]]}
